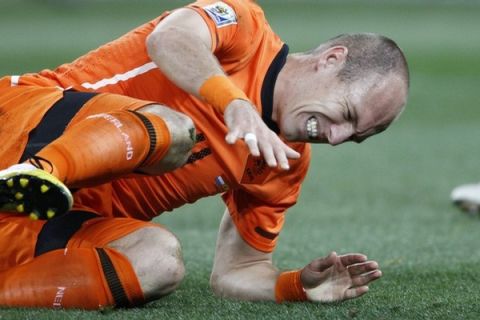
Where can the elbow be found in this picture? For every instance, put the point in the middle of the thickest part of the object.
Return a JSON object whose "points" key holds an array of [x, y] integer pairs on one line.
{"points": [[160, 42], [230, 286], [163, 46], [223, 286], [216, 284], [153, 42]]}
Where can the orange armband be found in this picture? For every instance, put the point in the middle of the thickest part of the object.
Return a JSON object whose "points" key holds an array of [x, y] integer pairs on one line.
{"points": [[219, 91], [289, 287]]}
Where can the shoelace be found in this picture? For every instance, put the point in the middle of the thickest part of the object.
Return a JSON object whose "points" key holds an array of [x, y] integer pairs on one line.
{"points": [[36, 161]]}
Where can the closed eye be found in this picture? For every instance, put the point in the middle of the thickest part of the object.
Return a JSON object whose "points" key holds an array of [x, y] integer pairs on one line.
{"points": [[348, 114]]}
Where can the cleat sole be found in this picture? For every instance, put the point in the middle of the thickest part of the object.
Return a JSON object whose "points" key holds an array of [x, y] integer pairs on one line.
{"points": [[23, 182], [34, 191], [44, 188], [50, 213], [34, 216]]}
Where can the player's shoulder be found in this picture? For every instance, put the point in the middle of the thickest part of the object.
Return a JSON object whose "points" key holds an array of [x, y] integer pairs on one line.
{"points": [[227, 11], [223, 3]]}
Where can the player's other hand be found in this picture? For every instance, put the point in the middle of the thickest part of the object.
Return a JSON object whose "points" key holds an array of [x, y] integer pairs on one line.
{"points": [[244, 122], [337, 278]]}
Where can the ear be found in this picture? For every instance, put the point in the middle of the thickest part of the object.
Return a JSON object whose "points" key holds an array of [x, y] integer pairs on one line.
{"points": [[333, 56]]}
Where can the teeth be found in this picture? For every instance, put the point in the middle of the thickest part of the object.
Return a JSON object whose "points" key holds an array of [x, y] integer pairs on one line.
{"points": [[312, 128]]}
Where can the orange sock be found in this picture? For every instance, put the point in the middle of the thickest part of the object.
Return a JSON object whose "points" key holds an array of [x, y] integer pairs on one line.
{"points": [[106, 145], [83, 278]]}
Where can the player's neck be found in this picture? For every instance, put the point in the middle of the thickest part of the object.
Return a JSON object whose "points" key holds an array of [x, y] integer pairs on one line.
{"points": [[280, 92]]}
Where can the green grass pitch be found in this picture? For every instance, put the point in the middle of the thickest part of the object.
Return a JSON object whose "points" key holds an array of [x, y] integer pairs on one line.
{"points": [[388, 197]]}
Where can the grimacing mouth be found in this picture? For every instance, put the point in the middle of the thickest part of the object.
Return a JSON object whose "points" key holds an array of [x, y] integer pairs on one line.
{"points": [[312, 128]]}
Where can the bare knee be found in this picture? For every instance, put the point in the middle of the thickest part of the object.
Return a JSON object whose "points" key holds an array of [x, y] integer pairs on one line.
{"points": [[182, 138], [156, 257]]}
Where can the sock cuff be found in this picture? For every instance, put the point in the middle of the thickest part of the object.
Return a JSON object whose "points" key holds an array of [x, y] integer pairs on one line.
{"points": [[120, 278], [159, 137]]}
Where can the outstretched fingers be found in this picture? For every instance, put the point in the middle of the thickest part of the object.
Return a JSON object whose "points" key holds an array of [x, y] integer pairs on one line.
{"points": [[233, 135], [363, 267], [276, 152], [355, 292], [243, 122], [269, 146], [283, 153], [362, 274], [336, 278], [268, 154], [366, 278], [321, 264], [352, 258], [252, 143]]}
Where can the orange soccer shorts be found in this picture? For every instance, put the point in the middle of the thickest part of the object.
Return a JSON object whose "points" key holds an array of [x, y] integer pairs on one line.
{"points": [[19, 234], [102, 125], [66, 262]]}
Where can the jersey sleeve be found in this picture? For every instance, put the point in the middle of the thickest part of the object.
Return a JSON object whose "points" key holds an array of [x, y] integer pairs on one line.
{"points": [[258, 209], [232, 26]]}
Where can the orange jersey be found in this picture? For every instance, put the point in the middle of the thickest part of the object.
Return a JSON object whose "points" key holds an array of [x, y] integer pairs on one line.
{"points": [[252, 55]]}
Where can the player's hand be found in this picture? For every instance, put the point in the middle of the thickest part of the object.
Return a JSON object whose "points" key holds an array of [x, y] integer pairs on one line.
{"points": [[244, 122], [337, 278]]}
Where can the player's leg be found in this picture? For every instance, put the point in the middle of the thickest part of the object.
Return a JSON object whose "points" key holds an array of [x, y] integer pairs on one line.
{"points": [[21, 110], [467, 197], [90, 263], [154, 251], [18, 236], [103, 146], [156, 257], [95, 149]]}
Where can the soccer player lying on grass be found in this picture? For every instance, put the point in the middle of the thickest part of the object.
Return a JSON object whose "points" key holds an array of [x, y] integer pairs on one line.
{"points": [[221, 65]]}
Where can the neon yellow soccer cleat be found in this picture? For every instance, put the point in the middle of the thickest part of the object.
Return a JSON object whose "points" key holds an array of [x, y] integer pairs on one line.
{"points": [[26, 189]]}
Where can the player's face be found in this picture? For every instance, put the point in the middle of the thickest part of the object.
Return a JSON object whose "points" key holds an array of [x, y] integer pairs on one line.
{"points": [[339, 113]]}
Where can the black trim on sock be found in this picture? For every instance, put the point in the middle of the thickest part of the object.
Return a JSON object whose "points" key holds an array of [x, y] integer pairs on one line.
{"points": [[114, 283], [151, 134]]}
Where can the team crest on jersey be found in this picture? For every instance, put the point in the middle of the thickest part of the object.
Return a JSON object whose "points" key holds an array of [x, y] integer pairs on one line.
{"points": [[221, 13]]}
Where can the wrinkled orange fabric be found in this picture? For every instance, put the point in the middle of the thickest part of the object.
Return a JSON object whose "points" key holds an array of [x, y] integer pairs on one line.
{"points": [[84, 154], [70, 278], [257, 196]]}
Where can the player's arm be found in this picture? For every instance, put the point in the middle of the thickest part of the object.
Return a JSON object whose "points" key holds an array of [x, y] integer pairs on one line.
{"points": [[181, 46], [242, 272]]}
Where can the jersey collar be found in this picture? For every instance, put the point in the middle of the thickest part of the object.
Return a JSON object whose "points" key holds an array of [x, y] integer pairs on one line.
{"points": [[269, 85]]}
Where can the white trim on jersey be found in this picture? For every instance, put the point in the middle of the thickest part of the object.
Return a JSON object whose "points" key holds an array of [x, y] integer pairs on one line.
{"points": [[14, 80], [120, 77]]}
